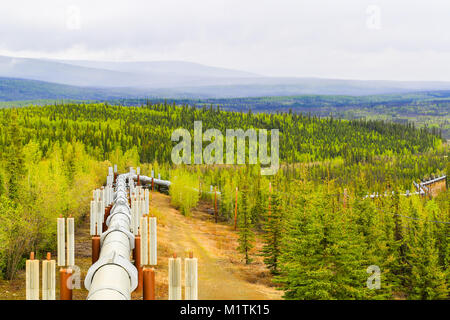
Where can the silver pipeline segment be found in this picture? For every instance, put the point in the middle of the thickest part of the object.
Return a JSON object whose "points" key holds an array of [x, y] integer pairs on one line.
{"points": [[113, 276], [165, 183], [146, 180]]}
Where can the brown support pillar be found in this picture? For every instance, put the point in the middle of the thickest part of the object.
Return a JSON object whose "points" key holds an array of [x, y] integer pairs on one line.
{"points": [[107, 212], [137, 260], [153, 188], [235, 210], [215, 204], [65, 289], [138, 181], [149, 284], [95, 248]]}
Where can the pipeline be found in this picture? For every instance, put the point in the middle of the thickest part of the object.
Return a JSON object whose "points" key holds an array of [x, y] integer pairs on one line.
{"points": [[164, 183], [113, 276], [147, 180]]}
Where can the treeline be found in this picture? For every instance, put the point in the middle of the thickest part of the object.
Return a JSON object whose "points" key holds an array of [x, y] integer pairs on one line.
{"points": [[303, 138], [429, 109]]}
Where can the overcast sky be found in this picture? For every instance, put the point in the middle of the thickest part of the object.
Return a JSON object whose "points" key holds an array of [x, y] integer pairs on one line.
{"points": [[358, 39]]}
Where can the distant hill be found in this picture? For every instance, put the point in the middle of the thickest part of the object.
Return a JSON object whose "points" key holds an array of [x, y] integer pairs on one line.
{"points": [[177, 79], [117, 74], [22, 89], [175, 68]]}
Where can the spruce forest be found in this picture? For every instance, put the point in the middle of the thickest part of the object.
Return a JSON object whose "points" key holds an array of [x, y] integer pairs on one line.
{"points": [[321, 232]]}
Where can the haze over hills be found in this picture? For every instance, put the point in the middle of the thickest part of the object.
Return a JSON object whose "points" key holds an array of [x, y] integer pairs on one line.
{"points": [[175, 79]]}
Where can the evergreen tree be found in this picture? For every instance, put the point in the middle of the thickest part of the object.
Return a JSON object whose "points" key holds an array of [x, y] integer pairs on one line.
{"points": [[273, 229], [246, 236], [304, 272], [427, 281]]}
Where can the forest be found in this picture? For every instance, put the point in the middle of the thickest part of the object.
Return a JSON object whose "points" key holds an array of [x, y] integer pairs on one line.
{"points": [[320, 234], [423, 109]]}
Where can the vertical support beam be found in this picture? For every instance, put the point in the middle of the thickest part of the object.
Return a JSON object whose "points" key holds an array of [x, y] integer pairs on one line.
{"points": [[107, 212], [174, 278], [70, 241], [149, 284], [191, 278], [135, 219], [144, 240], [137, 260], [215, 204], [153, 185], [65, 285], [61, 239], [48, 278], [93, 218], [147, 201], [138, 206], [152, 242], [100, 213], [32, 278], [142, 205], [95, 248], [235, 210]]}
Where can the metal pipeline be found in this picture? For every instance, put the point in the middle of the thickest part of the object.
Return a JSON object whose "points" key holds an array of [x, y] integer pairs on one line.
{"points": [[113, 276], [146, 180], [165, 183]]}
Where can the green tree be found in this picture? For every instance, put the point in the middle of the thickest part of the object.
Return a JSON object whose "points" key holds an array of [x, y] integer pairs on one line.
{"points": [[246, 235], [273, 229]]}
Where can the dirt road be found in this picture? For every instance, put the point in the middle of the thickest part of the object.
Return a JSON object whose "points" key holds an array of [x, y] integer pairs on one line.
{"points": [[221, 273]]}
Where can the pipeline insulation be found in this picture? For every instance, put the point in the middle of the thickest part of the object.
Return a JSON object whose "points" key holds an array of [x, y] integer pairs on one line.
{"points": [[174, 278], [152, 246], [61, 239], [48, 279], [32, 279], [70, 242], [191, 279]]}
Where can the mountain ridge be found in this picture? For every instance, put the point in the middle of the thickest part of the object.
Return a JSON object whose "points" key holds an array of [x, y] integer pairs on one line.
{"points": [[178, 79]]}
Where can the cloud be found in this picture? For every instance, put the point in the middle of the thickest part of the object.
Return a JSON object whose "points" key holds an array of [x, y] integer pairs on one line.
{"points": [[324, 38]]}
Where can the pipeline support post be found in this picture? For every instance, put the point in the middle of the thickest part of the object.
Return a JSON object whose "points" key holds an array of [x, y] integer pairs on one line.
{"points": [[149, 284], [95, 248], [215, 204], [32, 278], [65, 285], [48, 278], [191, 278], [235, 210], [137, 261], [70, 241], [174, 278]]}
